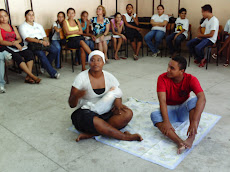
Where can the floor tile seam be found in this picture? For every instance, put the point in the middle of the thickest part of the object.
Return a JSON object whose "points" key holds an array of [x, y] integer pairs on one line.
{"points": [[20, 138]]}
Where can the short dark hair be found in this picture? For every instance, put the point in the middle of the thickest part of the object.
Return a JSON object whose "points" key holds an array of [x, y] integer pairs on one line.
{"points": [[70, 9], [4, 11], [207, 7], [117, 13], [27, 11], [161, 6], [182, 10], [182, 62], [128, 5], [61, 12], [83, 12]]}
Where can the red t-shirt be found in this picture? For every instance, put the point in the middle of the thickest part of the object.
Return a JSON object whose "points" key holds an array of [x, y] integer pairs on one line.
{"points": [[178, 93]]}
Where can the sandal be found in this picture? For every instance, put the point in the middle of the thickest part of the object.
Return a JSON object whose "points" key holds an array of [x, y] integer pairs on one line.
{"points": [[29, 80], [226, 64], [202, 64], [214, 56], [37, 81], [135, 57]]}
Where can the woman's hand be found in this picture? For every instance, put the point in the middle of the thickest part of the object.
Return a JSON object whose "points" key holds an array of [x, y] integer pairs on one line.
{"points": [[138, 29], [19, 47], [93, 38], [123, 37], [102, 38]]}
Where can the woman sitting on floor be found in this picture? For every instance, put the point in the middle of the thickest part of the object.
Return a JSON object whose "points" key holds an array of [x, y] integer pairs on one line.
{"points": [[10, 37], [117, 26], [56, 40], [97, 96], [101, 29], [132, 31], [35, 37], [73, 32]]}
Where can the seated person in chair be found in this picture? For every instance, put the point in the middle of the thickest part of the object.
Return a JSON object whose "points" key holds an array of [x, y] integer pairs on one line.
{"points": [[176, 105], [132, 31], [180, 34], [97, 97], [74, 38], [117, 27], [159, 22], [197, 45]]}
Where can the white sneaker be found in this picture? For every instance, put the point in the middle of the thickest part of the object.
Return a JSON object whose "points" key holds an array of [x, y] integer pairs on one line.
{"points": [[42, 70], [57, 75], [2, 89], [156, 54]]}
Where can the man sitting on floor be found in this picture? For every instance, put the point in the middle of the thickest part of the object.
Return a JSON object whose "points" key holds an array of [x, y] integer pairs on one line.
{"points": [[176, 105]]}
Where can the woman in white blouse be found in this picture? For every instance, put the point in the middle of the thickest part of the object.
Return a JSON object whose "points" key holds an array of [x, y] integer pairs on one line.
{"points": [[88, 91]]}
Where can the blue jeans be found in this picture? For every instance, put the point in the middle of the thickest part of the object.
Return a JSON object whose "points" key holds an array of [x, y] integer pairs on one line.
{"points": [[2, 67], [56, 43], [47, 60], [196, 47], [176, 113], [177, 42], [90, 43], [159, 35]]}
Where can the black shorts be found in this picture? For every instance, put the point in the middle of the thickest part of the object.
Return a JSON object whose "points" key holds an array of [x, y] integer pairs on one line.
{"points": [[21, 56], [82, 119], [74, 42]]}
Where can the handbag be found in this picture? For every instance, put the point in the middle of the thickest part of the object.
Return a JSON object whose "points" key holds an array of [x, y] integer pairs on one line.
{"points": [[37, 47]]}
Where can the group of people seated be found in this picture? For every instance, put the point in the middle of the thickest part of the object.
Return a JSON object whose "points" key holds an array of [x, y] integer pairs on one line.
{"points": [[22, 44]]}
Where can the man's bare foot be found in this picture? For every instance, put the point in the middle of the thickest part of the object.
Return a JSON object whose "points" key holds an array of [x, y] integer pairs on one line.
{"points": [[181, 148], [83, 136], [132, 137], [189, 141]]}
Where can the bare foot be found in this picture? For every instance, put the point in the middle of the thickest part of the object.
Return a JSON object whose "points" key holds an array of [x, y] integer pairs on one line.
{"points": [[83, 136], [181, 148], [116, 57], [189, 141]]}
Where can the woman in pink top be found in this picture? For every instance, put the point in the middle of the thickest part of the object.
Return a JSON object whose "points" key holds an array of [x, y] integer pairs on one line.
{"points": [[117, 26]]}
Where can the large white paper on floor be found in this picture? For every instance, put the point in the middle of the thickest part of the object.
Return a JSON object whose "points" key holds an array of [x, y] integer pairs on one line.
{"points": [[156, 147]]}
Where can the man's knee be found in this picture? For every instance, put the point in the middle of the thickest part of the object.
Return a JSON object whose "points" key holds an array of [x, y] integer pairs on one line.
{"points": [[147, 38]]}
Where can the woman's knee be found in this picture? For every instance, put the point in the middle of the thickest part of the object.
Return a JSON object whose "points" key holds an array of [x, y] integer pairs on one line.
{"points": [[128, 115]]}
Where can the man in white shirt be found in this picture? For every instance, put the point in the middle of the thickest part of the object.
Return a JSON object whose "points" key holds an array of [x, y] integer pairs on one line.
{"points": [[196, 46], [180, 34]]}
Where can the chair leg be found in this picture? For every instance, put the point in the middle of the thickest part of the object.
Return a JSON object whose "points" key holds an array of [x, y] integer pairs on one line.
{"points": [[142, 48], [72, 60], [189, 59], [36, 65], [147, 50], [6, 74], [127, 48]]}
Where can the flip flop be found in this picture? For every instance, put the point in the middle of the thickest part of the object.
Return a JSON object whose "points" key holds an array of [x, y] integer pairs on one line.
{"points": [[214, 56]]}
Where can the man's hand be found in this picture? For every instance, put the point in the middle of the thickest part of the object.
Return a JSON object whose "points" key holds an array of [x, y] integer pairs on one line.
{"points": [[199, 35], [45, 43], [93, 38], [165, 127], [192, 130], [176, 37]]}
